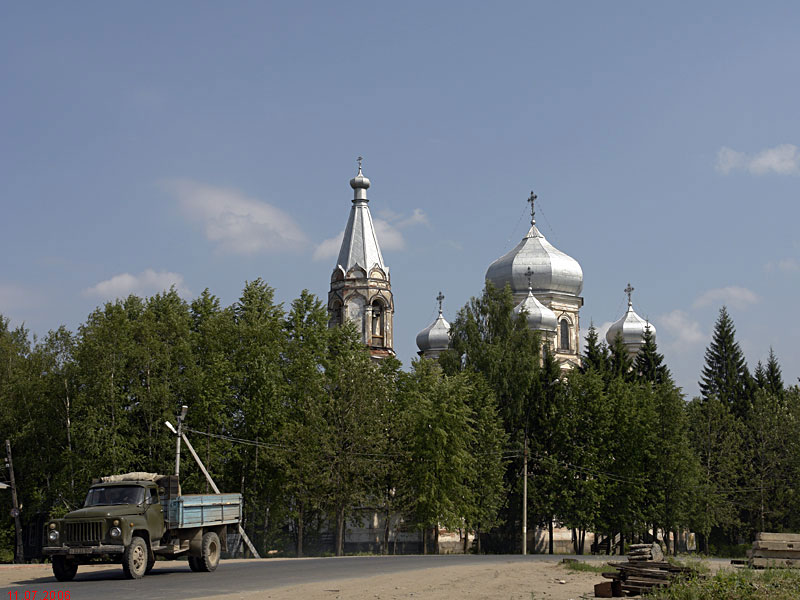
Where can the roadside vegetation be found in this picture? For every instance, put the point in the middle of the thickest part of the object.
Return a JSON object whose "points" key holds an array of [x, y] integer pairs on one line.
{"points": [[298, 418], [739, 584]]}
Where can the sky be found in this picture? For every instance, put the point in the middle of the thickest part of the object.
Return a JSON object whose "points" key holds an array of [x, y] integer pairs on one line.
{"points": [[203, 144]]}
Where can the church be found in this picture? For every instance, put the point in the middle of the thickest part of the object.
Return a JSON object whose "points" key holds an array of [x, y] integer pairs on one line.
{"points": [[546, 284]]}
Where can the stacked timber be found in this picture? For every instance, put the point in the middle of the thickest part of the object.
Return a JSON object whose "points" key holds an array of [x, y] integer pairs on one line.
{"points": [[644, 570], [775, 550]]}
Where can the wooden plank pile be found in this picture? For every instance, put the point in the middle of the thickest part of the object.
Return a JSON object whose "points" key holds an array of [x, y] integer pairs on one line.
{"points": [[772, 550], [645, 569]]}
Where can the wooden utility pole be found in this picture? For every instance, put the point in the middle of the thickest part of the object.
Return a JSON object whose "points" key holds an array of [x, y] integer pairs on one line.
{"points": [[525, 497], [19, 551]]}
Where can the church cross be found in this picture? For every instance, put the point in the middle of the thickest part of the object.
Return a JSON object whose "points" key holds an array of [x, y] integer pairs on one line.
{"points": [[532, 200], [529, 273], [359, 159], [629, 290], [440, 297]]}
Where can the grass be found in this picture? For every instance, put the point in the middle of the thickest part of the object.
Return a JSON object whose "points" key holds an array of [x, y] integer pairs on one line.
{"points": [[740, 584], [586, 567]]}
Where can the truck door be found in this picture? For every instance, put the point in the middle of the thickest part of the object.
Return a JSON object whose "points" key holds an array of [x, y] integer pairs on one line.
{"points": [[154, 514]]}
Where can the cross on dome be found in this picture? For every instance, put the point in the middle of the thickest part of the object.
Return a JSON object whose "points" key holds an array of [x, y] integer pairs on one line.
{"points": [[529, 274], [532, 200], [629, 290], [440, 297]]}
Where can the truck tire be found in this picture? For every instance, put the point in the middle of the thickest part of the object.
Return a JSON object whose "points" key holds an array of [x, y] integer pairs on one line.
{"points": [[134, 559], [210, 558], [151, 562], [194, 563], [64, 569]]}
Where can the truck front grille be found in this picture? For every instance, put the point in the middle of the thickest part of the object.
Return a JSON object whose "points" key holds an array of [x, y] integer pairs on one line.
{"points": [[83, 531]]}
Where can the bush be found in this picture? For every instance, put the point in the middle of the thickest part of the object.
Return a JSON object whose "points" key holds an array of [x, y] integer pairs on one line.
{"points": [[741, 584]]}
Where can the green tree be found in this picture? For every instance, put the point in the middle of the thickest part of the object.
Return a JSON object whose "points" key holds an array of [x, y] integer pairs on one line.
{"points": [[649, 362], [306, 347], [725, 374], [717, 439], [595, 354], [440, 464], [488, 338]]}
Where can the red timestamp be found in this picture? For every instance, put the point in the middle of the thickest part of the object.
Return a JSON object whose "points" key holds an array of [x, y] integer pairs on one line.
{"points": [[38, 595]]}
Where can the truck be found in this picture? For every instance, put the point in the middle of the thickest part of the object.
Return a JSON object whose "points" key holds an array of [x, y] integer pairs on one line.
{"points": [[132, 518]]}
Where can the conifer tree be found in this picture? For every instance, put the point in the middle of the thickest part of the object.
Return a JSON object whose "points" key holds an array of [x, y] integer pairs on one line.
{"points": [[649, 363], [620, 361], [773, 376], [595, 355], [725, 374]]}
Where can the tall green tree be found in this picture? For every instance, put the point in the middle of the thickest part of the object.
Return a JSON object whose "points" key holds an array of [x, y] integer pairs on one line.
{"points": [[649, 362], [725, 374]]}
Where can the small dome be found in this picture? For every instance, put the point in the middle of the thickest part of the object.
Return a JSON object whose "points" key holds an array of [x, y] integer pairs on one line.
{"points": [[359, 182], [435, 338], [632, 328], [540, 318]]}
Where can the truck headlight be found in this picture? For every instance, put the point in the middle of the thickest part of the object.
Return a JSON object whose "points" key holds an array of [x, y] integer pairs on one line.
{"points": [[52, 535], [115, 532]]}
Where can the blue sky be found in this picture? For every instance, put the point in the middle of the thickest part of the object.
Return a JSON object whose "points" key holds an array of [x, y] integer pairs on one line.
{"points": [[662, 141]]}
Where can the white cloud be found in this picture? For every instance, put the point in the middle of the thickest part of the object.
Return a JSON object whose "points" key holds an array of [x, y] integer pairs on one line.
{"points": [[735, 296], [237, 223], [387, 228], [418, 217], [329, 248], [681, 327], [783, 159], [146, 283], [785, 265], [389, 237]]}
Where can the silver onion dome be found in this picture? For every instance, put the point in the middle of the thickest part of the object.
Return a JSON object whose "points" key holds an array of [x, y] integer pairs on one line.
{"points": [[360, 185], [540, 318], [631, 326], [435, 338], [554, 271]]}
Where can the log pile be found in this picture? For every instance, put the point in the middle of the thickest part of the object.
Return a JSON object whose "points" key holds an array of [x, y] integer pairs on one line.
{"points": [[645, 569], [772, 550]]}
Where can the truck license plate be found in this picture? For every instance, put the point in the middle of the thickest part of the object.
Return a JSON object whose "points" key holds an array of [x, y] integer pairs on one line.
{"points": [[80, 550]]}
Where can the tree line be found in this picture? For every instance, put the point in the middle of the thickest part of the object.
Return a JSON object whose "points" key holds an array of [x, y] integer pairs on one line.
{"points": [[316, 435]]}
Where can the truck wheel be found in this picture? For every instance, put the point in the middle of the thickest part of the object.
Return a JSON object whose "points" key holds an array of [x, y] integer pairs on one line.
{"points": [[64, 569], [134, 559], [194, 563], [210, 557], [151, 562]]}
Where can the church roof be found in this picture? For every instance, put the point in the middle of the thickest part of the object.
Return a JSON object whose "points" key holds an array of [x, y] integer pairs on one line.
{"points": [[631, 326], [553, 270], [540, 318], [435, 336], [360, 243]]}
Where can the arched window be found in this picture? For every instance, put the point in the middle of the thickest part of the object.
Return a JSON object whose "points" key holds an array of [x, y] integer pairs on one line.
{"points": [[336, 313], [377, 323], [564, 337]]}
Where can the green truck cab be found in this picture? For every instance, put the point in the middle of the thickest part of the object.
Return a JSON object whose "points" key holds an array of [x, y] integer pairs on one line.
{"points": [[131, 519]]}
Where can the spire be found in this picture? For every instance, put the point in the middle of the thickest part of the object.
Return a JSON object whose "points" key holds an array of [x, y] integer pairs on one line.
{"points": [[360, 242]]}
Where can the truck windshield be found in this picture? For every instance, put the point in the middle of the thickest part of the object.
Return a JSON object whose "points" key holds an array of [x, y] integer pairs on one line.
{"points": [[118, 494]]}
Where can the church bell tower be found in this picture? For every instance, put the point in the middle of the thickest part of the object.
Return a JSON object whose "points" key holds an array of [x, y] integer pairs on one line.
{"points": [[361, 288]]}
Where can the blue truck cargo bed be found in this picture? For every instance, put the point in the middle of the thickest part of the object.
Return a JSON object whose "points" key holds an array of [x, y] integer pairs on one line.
{"points": [[204, 510]]}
